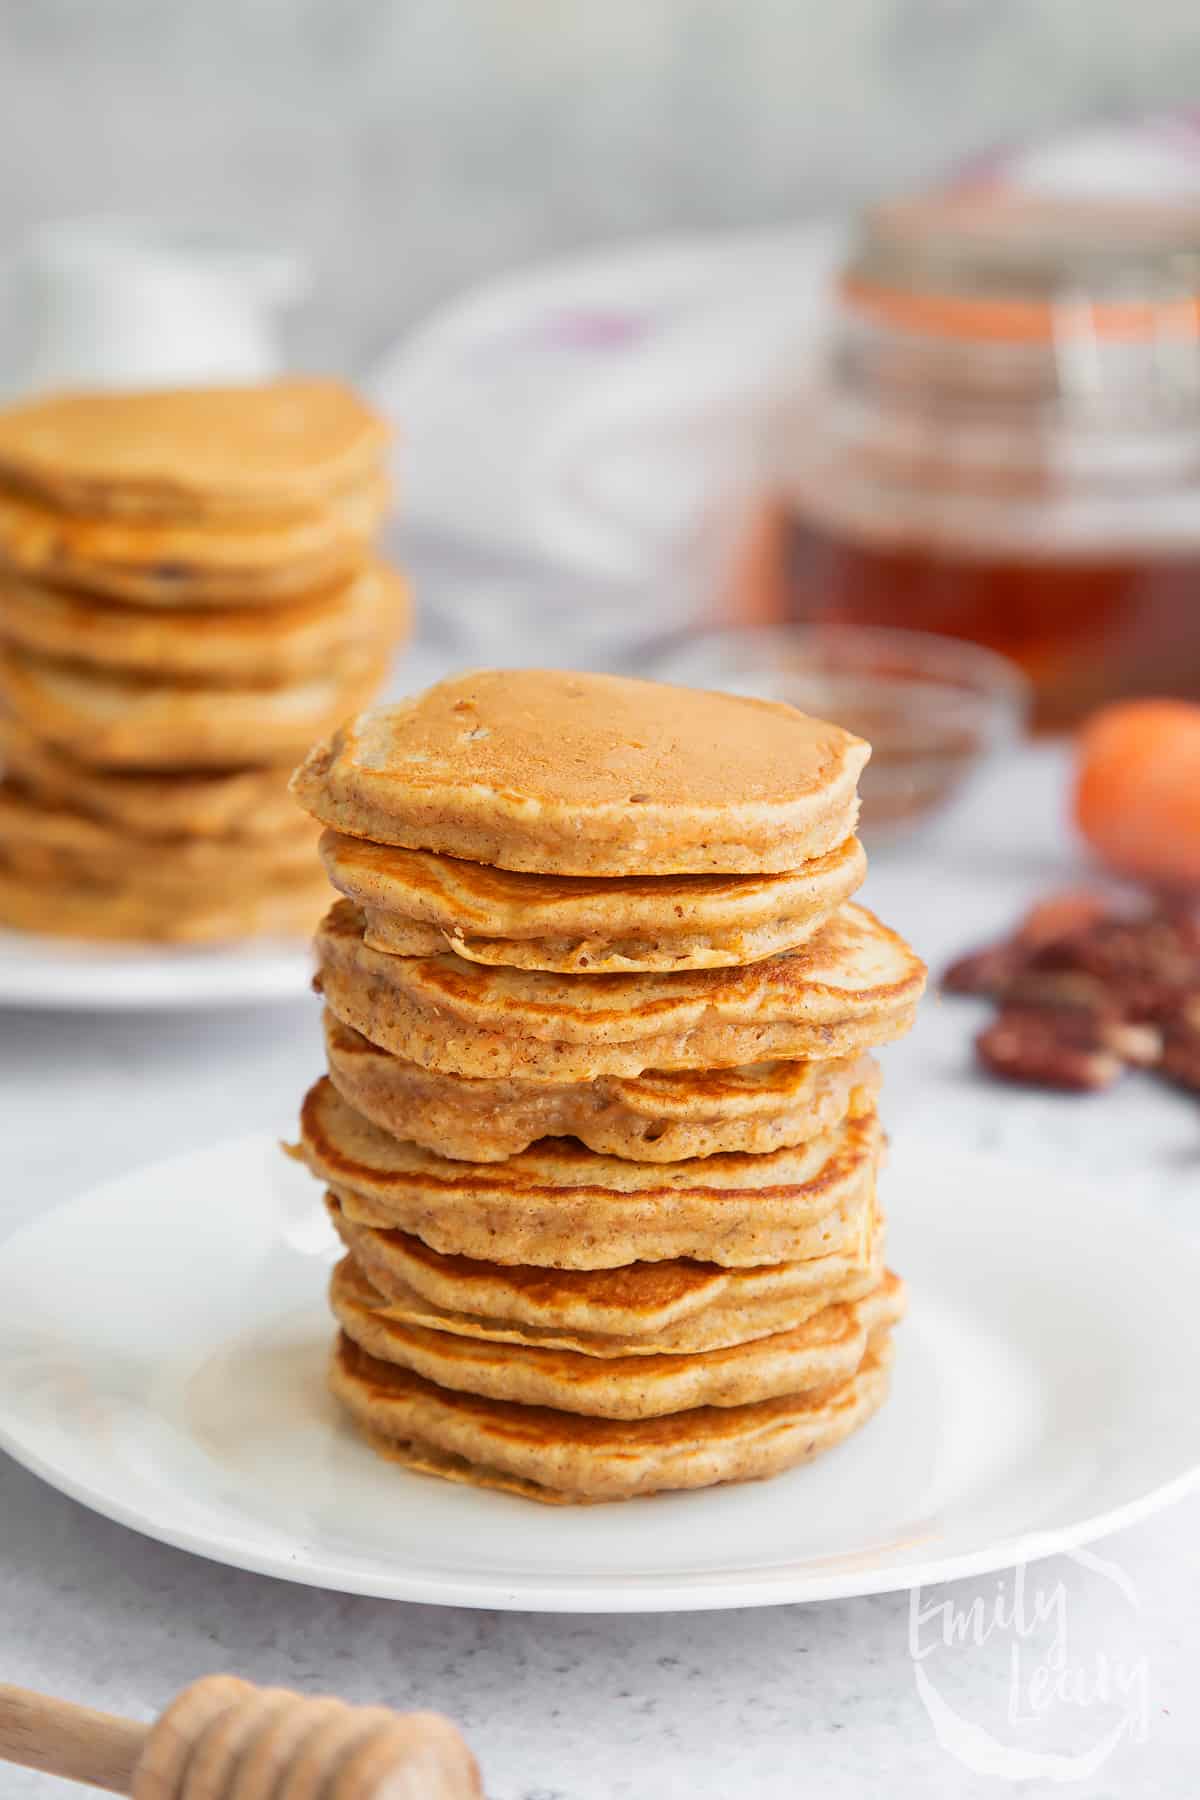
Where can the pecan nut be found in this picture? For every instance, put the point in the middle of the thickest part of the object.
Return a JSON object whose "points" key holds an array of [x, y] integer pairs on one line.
{"points": [[1041, 1048], [1061, 916], [1181, 1045], [1148, 965], [989, 972], [1085, 990]]}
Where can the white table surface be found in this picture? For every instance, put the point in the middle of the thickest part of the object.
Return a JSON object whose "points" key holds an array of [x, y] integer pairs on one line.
{"points": [[784, 1702]]}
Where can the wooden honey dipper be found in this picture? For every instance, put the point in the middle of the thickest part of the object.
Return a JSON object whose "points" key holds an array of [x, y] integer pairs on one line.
{"points": [[225, 1739]]}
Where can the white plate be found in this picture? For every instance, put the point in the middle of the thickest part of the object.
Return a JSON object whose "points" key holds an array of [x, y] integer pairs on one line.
{"points": [[62, 974], [162, 1342]]}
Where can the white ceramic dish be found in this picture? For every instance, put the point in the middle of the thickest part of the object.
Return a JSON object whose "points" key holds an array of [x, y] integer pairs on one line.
{"points": [[59, 974], [162, 1341]]}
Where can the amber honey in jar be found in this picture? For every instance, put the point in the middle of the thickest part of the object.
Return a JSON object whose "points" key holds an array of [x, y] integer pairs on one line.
{"points": [[1005, 444]]}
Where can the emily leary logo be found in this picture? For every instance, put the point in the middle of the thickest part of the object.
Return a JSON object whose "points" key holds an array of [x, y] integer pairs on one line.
{"points": [[1028, 1675]]}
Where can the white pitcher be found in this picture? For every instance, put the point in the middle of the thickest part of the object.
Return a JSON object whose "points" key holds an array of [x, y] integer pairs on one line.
{"points": [[110, 302]]}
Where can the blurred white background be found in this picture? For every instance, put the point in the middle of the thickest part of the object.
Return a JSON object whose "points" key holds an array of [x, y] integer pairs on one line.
{"points": [[411, 146]]}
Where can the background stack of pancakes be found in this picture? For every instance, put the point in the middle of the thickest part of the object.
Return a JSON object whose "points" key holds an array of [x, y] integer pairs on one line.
{"points": [[187, 598], [599, 1129]]}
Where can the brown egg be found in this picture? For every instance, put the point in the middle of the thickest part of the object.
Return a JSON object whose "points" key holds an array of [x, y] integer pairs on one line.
{"points": [[1137, 790]]}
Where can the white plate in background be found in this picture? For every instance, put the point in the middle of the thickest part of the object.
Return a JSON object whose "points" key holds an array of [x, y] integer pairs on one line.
{"points": [[62, 974], [163, 1339]]}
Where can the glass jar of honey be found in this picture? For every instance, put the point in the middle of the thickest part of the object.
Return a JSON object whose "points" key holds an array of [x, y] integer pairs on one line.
{"points": [[1005, 444]]}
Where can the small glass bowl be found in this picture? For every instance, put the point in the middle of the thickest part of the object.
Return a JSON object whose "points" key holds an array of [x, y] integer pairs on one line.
{"points": [[934, 709]]}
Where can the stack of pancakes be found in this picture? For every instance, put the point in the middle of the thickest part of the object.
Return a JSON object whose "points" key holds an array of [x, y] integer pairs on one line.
{"points": [[187, 598], [599, 1129]]}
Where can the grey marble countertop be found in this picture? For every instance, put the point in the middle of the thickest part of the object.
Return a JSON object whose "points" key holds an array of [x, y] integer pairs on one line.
{"points": [[778, 1703]]}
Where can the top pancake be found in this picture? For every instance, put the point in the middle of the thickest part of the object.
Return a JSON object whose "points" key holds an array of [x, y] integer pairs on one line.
{"points": [[568, 774], [273, 450]]}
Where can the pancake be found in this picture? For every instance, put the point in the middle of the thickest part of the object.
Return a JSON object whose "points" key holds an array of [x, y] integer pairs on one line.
{"points": [[67, 846], [180, 563], [125, 721], [567, 774], [660, 1116], [642, 1309], [245, 803], [258, 645], [272, 449], [286, 908], [417, 903], [31, 825], [542, 1238], [560, 1205], [854, 984], [167, 881], [825, 1349], [543, 1454]]}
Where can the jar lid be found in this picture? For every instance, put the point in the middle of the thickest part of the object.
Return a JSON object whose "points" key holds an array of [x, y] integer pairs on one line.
{"points": [[991, 263]]}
